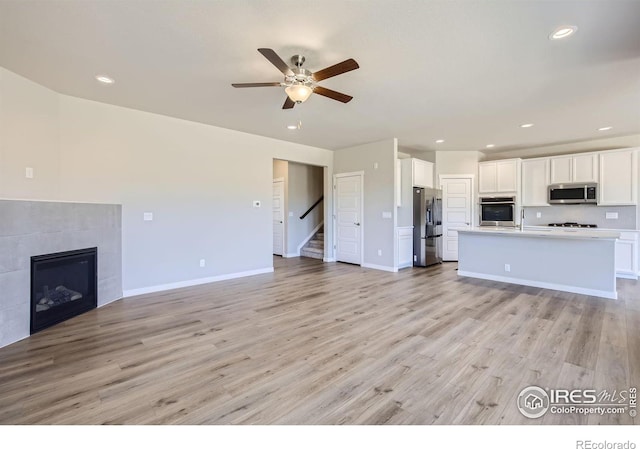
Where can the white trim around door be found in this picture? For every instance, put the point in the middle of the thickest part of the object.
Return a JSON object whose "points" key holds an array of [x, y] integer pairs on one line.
{"points": [[348, 217], [458, 209]]}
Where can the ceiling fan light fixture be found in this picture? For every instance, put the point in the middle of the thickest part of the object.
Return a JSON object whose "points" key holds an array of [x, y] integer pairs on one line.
{"points": [[298, 92], [562, 32]]}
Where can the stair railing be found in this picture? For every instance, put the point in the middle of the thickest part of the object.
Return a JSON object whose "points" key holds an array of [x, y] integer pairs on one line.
{"points": [[311, 208]]}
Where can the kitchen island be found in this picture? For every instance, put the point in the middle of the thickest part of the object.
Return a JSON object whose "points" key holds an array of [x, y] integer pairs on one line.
{"points": [[574, 261]]}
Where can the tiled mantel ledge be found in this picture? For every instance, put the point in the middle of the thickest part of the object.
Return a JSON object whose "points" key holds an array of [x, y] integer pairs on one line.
{"points": [[31, 228]]}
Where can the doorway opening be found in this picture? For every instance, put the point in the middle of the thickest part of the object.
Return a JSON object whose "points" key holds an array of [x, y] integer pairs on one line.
{"points": [[298, 210]]}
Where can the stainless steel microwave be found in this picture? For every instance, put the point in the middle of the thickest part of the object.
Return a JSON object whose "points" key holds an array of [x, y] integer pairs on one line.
{"points": [[579, 193]]}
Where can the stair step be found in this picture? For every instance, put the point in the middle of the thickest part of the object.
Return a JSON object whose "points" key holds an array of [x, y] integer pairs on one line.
{"points": [[314, 253], [314, 244]]}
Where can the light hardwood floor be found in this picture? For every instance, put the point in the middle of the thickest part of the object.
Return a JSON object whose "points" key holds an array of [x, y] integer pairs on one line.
{"points": [[318, 343]]}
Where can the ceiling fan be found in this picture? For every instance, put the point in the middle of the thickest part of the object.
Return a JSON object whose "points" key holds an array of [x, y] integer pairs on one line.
{"points": [[300, 83]]}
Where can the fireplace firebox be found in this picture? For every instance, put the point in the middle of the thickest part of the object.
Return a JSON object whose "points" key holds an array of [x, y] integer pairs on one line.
{"points": [[63, 285]]}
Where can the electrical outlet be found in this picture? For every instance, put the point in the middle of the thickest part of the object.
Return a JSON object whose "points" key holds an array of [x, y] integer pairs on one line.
{"points": [[379, 252], [202, 263], [507, 267], [611, 215], [147, 216], [538, 214]]}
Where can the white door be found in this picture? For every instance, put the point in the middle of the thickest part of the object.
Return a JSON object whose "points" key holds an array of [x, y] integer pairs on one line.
{"points": [[457, 195], [278, 217], [348, 217]]}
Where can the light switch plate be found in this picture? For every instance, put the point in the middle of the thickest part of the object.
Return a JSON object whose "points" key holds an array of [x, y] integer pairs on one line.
{"points": [[386, 215], [148, 216], [256, 203], [291, 214], [538, 214], [611, 215], [28, 172]]}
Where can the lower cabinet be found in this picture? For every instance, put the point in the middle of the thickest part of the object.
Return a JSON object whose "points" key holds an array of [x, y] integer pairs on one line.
{"points": [[405, 246], [627, 255]]}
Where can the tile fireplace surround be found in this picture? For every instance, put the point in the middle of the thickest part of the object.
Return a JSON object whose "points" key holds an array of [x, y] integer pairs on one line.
{"points": [[32, 228]]}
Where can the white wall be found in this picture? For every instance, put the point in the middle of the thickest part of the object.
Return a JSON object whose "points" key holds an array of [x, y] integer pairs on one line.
{"points": [[198, 180], [379, 196], [28, 138], [456, 163]]}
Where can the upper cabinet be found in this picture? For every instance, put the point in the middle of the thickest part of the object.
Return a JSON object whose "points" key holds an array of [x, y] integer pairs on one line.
{"points": [[535, 181], [499, 176], [618, 178], [576, 168], [422, 173]]}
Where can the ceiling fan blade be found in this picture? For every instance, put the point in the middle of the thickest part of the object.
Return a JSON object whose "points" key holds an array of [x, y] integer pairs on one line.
{"points": [[276, 60], [332, 94], [288, 103], [341, 67], [255, 84]]}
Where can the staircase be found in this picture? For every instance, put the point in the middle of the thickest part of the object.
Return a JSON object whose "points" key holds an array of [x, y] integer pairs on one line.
{"points": [[314, 248]]}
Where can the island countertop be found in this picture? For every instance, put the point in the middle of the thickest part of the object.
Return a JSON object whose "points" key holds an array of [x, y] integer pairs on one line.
{"points": [[544, 233]]}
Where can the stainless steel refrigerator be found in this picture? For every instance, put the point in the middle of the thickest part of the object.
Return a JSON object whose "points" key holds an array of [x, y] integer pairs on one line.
{"points": [[427, 226]]}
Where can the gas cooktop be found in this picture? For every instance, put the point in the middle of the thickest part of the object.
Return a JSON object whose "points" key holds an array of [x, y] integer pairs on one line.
{"points": [[570, 224]]}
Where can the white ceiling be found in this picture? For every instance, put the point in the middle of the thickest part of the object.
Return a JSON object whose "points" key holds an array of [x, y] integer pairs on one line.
{"points": [[469, 72]]}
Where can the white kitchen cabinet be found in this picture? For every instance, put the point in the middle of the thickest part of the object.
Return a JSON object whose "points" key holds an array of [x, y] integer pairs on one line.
{"points": [[627, 255], [405, 246], [585, 168], [575, 168], [499, 176], [422, 173], [535, 182], [618, 178]]}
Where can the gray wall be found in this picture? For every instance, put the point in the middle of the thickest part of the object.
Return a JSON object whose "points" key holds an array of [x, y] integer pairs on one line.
{"points": [[199, 181], [590, 214], [305, 187], [379, 188], [32, 228]]}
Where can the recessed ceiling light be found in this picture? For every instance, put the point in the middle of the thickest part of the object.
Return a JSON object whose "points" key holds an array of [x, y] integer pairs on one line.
{"points": [[490, 145], [440, 141], [605, 128], [292, 126], [105, 79], [526, 125], [563, 31]]}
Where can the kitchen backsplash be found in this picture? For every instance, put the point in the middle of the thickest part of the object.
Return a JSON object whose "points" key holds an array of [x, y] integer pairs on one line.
{"points": [[582, 213]]}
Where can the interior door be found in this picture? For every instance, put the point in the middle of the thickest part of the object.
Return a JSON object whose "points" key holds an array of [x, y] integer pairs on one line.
{"points": [[278, 217], [348, 216], [456, 213]]}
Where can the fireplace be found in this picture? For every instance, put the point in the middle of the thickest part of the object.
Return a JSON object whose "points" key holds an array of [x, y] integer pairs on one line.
{"points": [[63, 285]]}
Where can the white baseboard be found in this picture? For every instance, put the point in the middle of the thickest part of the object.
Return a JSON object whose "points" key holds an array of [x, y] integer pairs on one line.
{"points": [[329, 259], [380, 267], [548, 285], [192, 282], [627, 276], [288, 255]]}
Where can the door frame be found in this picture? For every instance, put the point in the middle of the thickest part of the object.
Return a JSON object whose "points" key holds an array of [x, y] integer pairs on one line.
{"points": [[284, 216], [471, 177], [334, 212]]}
